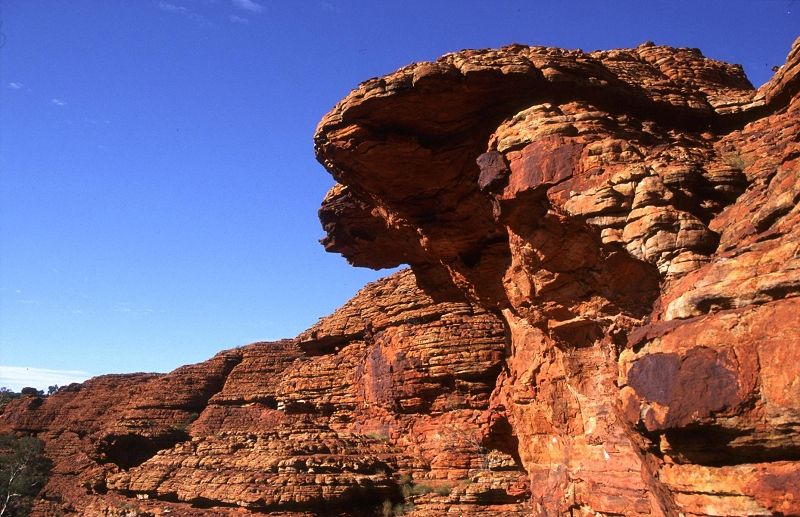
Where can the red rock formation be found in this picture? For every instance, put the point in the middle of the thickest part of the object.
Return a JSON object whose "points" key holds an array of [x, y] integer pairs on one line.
{"points": [[378, 405], [632, 215], [602, 317]]}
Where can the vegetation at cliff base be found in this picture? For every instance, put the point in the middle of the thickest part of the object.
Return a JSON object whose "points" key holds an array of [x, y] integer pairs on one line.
{"points": [[23, 472]]}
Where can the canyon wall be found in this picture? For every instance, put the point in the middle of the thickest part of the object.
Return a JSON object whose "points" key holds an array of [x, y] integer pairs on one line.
{"points": [[633, 217], [600, 317]]}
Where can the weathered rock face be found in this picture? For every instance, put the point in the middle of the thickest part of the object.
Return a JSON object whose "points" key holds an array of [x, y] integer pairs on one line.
{"points": [[633, 217], [379, 405], [602, 317]]}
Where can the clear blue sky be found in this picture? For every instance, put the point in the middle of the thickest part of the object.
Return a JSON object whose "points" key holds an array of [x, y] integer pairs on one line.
{"points": [[158, 188]]}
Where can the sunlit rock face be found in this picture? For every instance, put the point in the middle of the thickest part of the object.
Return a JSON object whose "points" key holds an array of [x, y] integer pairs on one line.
{"points": [[632, 216], [600, 316], [377, 407]]}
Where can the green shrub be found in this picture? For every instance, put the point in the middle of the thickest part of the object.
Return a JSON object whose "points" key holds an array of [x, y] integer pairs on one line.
{"points": [[421, 489], [390, 509], [23, 472], [6, 396], [443, 490], [380, 437], [408, 488], [735, 160]]}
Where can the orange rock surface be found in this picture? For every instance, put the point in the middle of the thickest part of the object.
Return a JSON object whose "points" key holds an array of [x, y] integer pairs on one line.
{"points": [[378, 405], [601, 316], [632, 215]]}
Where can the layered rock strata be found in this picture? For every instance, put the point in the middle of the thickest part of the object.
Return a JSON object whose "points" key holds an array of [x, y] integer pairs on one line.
{"points": [[633, 217], [375, 409], [602, 317]]}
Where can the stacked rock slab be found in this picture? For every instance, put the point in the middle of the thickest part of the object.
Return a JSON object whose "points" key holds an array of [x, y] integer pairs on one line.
{"points": [[376, 409], [601, 316], [633, 217]]}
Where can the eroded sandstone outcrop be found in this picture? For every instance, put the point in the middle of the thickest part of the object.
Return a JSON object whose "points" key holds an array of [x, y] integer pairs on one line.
{"points": [[378, 406], [601, 316], [632, 215]]}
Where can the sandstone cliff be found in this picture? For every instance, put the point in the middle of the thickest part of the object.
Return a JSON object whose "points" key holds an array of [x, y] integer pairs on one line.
{"points": [[601, 316]]}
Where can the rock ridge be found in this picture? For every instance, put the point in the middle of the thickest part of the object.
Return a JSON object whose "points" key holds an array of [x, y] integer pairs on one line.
{"points": [[631, 216]]}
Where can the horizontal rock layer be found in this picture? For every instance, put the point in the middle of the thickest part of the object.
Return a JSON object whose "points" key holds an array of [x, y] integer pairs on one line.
{"points": [[632, 216], [379, 405], [601, 318]]}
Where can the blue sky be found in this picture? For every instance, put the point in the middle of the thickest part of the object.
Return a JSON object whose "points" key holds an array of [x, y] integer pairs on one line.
{"points": [[158, 188]]}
